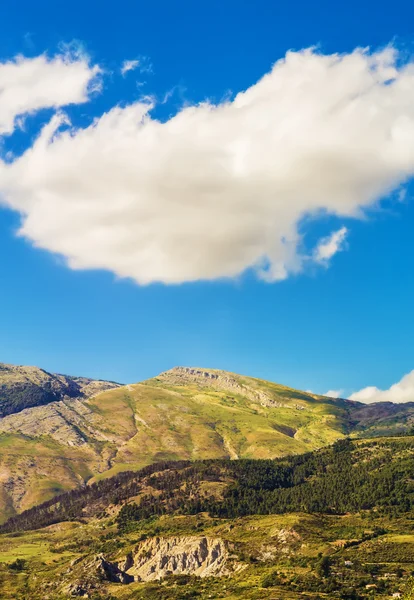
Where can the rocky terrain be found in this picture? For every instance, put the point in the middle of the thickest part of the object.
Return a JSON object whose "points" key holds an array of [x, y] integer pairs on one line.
{"points": [[24, 387], [153, 560], [189, 555]]}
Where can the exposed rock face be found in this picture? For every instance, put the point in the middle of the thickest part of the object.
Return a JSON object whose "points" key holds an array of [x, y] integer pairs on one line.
{"points": [[221, 380], [111, 571], [24, 387], [69, 421], [152, 560], [157, 557], [93, 574]]}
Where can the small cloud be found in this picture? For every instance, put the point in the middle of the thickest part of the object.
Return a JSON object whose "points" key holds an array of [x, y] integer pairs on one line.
{"points": [[334, 393], [329, 393], [168, 95], [329, 246], [400, 392], [145, 65], [28, 41], [28, 85], [129, 65]]}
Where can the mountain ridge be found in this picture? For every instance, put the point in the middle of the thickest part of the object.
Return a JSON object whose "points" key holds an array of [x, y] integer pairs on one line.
{"points": [[185, 413], [24, 387]]}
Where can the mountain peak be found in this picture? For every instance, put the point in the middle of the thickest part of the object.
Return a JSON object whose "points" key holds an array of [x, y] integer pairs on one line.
{"points": [[264, 393], [194, 373]]}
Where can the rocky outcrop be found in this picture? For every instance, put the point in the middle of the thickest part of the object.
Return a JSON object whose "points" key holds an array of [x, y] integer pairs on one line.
{"points": [[93, 574], [219, 380], [70, 422], [112, 571], [24, 387], [157, 557], [152, 559]]}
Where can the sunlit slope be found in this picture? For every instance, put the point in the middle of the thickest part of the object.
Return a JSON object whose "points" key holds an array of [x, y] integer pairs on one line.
{"points": [[182, 414], [217, 416]]}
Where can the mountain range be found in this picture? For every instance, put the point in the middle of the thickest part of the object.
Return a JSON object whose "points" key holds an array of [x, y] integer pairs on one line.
{"points": [[58, 432]]}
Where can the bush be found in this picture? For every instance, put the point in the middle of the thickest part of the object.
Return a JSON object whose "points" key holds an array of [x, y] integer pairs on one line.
{"points": [[271, 579], [18, 565]]}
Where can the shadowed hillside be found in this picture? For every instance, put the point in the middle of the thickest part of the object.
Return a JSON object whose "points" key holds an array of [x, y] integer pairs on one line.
{"points": [[25, 387]]}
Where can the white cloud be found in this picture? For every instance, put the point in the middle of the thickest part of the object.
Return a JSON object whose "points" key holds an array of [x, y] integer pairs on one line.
{"points": [[334, 393], [402, 391], [30, 84], [329, 246], [218, 189], [129, 65]]}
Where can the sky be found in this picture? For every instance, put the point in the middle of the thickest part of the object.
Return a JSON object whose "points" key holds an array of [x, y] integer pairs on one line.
{"points": [[222, 184]]}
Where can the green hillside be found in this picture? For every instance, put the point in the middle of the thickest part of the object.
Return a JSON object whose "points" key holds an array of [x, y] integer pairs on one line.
{"points": [[183, 414], [333, 523]]}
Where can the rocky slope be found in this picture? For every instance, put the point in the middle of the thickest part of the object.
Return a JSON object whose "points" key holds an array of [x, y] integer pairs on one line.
{"points": [[157, 557], [78, 434], [25, 387]]}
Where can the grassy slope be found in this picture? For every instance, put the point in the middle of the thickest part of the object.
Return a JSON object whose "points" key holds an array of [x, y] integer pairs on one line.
{"points": [[162, 419], [34, 470], [132, 426]]}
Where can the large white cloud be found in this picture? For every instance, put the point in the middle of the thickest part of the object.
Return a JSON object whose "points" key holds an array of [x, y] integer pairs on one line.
{"points": [[30, 84], [217, 189], [402, 391]]}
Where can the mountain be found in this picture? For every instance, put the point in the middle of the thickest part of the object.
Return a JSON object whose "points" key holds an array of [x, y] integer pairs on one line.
{"points": [[26, 387], [183, 414], [332, 523]]}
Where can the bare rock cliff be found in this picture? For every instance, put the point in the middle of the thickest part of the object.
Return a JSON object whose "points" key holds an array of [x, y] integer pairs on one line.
{"points": [[157, 557]]}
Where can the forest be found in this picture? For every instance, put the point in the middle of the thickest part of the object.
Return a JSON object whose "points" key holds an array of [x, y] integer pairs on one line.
{"points": [[349, 476]]}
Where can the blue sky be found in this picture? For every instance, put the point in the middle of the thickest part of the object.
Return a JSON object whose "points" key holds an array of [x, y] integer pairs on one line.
{"points": [[343, 325]]}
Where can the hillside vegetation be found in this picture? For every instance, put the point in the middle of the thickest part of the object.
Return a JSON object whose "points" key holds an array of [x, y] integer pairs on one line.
{"points": [[183, 414], [347, 477], [333, 523]]}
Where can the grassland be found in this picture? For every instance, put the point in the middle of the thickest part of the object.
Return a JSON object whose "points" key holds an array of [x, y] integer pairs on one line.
{"points": [[287, 548]]}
